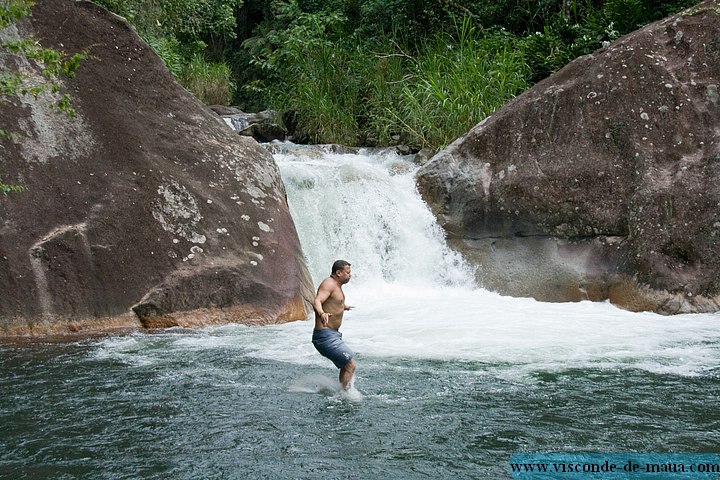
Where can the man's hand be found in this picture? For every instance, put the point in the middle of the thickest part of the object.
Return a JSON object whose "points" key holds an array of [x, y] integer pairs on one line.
{"points": [[349, 307], [325, 319]]}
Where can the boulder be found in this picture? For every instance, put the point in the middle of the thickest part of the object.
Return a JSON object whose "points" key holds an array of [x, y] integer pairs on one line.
{"points": [[224, 110], [600, 182], [259, 125], [146, 209]]}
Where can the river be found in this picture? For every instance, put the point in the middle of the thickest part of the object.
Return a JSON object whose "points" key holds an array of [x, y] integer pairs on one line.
{"points": [[452, 379]]}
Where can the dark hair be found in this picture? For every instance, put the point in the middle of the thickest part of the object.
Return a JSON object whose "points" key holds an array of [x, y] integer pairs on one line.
{"points": [[339, 265]]}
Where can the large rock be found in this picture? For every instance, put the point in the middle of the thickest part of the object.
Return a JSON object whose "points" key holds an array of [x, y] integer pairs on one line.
{"points": [[260, 126], [601, 182], [145, 209]]}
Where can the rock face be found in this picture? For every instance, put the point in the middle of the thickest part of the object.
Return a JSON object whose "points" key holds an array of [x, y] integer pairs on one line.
{"points": [[260, 125], [600, 182], [144, 210]]}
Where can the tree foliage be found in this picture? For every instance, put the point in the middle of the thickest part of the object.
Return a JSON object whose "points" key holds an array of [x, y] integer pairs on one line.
{"points": [[189, 20], [193, 37], [381, 71]]}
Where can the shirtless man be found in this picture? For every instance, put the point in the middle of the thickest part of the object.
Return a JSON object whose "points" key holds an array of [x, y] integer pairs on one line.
{"points": [[329, 308]]}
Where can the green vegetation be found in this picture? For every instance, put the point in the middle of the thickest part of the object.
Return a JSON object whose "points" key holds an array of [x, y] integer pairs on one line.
{"points": [[6, 188], [192, 37], [210, 82], [458, 80], [13, 10], [377, 72], [55, 65]]}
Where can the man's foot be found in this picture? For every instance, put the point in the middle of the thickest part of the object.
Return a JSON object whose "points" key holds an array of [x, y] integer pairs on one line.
{"points": [[351, 395]]}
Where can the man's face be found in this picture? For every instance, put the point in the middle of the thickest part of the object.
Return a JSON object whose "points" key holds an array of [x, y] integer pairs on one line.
{"points": [[344, 275]]}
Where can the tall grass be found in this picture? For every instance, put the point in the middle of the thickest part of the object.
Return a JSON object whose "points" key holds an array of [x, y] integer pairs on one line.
{"points": [[376, 93], [209, 82], [324, 95], [381, 71], [456, 81]]}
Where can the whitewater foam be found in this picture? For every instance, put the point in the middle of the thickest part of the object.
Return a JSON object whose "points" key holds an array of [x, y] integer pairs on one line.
{"points": [[320, 384], [413, 298]]}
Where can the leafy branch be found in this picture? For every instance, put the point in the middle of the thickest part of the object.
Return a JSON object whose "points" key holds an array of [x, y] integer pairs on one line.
{"points": [[54, 65], [7, 188], [14, 10]]}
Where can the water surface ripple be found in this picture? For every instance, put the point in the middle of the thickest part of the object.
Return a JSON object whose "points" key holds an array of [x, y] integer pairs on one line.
{"points": [[452, 379]]}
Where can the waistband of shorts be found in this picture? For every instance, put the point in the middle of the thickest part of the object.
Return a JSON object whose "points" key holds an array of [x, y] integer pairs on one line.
{"points": [[326, 332]]}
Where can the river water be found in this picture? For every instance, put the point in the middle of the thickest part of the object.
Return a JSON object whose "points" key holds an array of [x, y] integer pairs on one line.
{"points": [[452, 380]]}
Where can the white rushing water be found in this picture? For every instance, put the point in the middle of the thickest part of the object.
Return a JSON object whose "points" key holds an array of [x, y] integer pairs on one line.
{"points": [[452, 380], [415, 299]]}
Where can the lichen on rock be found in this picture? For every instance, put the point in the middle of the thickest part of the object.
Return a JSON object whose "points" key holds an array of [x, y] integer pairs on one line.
{"points": [[162, 188], [622, 144]]}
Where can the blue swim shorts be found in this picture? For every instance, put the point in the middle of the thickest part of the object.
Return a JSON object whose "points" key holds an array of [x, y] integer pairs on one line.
{"points": [[330, 344]]}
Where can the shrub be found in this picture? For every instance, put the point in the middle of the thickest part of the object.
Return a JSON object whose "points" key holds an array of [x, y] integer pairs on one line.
{"points": [[311, 73], [457, 81], [168, 49], [209, 82]]}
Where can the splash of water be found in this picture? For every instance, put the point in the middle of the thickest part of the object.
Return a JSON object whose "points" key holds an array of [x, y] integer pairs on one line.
{"points": [[414, 297], [365, 208]]}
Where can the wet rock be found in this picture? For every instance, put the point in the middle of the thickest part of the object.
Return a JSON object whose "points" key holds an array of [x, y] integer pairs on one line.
{"points": [[145, 209], [312, 151], [619, 144], [423, 156], [224, 110], [264, 132], [261, 125]]}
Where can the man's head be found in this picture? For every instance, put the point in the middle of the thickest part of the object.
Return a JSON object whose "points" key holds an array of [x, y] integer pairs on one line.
{"points": [[341, 271]]}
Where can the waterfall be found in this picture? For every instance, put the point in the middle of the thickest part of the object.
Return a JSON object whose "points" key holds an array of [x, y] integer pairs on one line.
{"points": [[455, 380], [364, 208], [415, 297]]}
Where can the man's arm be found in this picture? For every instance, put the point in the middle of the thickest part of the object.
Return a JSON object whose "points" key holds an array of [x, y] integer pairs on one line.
{"points": [[323, 293]]}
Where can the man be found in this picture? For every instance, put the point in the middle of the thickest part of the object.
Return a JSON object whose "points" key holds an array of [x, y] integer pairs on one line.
{"points": [[329, 308]]}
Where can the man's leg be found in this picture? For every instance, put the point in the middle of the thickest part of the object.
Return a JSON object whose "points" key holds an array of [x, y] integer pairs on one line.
{"points": [[346, 374]]}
